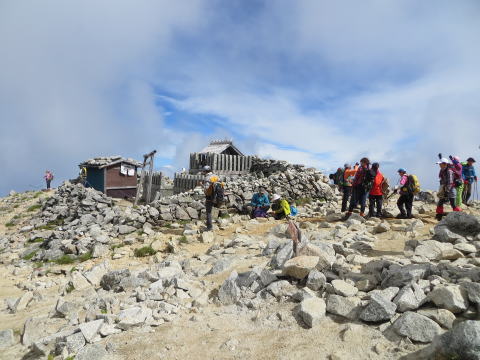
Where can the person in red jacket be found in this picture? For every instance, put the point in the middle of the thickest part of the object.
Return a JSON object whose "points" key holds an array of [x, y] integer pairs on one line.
{"points": [[376, 194]]}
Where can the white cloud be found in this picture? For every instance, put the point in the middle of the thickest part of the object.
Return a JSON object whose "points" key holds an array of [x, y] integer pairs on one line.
{"points": [[76, 81]]}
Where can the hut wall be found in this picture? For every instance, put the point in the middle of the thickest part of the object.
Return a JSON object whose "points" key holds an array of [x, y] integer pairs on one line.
{"points": [[122, 193], [116, 179]]}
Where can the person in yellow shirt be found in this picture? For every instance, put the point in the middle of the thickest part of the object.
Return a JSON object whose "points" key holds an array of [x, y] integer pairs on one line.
{"points": [[280, 207]]}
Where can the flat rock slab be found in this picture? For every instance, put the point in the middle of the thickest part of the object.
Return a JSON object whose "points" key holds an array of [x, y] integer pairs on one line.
{"points": [[343, 288], [450, 297]]}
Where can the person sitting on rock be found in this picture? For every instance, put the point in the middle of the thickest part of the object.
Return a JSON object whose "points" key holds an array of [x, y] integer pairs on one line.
{"points": [[376, 194], [447, 188], [280, 207], [260, 203], [469, 177], [405, 201]]}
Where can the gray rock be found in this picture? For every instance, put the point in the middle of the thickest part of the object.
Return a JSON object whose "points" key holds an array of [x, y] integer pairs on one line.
{"points": [[400, 276], [443, 234], [284, 253], [271, 247], [267, 277], [126, 229], [131, 317], [6, 338], [100, 250], [462, 223], [343, 288], [442, 317], [111, 280], [281, 288], [73, 343], [229, 292], [23, 301], [416, 327], [91, 329], [473, 291], [450, 297], [462, 342], [378, 309], [347, 307], [410, 297], [388, 293], [312, 311], [221, 265], [316, 280], [92, 352], [95, 274]]}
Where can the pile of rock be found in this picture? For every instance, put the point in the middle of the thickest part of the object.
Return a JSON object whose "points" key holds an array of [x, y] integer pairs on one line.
{"points": [[418, 297], [77, 220], [278, 177], [107, 302]]}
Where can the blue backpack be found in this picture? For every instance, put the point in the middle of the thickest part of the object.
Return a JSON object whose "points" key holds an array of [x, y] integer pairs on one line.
{"points": [[293, 210]]}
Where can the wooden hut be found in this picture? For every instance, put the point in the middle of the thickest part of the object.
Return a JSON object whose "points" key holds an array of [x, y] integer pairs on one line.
{"points": [[224, 158], [115, 176]]}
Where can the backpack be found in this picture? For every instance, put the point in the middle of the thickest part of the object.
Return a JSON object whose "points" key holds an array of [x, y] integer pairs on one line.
{"points": [[293, 210], [368, 179], [218, 193], [413, 185], [385, 186]]}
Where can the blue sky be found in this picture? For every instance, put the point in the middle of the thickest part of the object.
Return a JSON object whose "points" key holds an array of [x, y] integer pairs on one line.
{"points": [[309, 81]]}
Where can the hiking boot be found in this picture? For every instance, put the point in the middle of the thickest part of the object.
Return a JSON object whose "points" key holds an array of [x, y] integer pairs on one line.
{"points": [[362, 214], [456, 208], [439, 216], [401, 216], [347, 216]]}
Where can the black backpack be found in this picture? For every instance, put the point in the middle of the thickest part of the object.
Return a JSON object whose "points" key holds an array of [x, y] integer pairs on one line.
{"points": [[368, 180], [218, 193]]}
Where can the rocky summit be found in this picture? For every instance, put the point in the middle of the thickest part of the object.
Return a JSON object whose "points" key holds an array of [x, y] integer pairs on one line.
{"points": [[84, 276]]}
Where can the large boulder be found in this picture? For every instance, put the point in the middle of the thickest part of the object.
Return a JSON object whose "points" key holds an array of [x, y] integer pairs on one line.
{"points": [[450, 297], [347, 307], [299, 267], [400, 276], [461, 342], [416, 327], [378, 309], [462, 223], [436, 250], [284, 252]]}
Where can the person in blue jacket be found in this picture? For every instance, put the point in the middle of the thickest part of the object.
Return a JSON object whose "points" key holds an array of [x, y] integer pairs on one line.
{"points": [[260, 203], [469, 177]]}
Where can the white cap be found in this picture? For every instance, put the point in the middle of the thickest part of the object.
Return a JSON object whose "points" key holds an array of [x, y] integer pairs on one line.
{"points": [[207, 168], [443, 161], [276, 197]]}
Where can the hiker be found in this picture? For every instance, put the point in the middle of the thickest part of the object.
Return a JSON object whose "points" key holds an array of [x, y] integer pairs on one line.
{"points": [[280, 207], [336, 177], [458, 179], [447, 188], [260, 203], [48, 178], [348, 175], [210, 179], [405, 201], [376, 194], [361, 186], [469, 177]]}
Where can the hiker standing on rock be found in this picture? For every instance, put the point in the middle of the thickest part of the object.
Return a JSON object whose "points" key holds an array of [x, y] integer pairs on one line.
{"points": [[469, 177], [458, 178], [48, 178], [361, 186], [376, 194], [405, 201], [348, 176], [446, 193], [280, 207], [210, 180]]}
